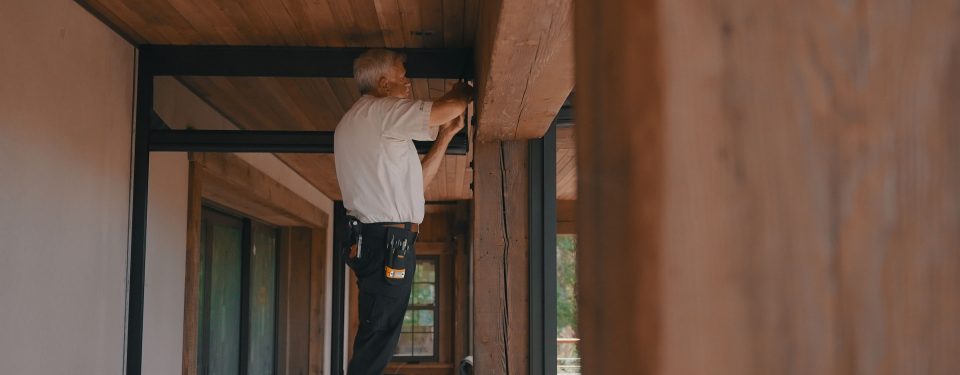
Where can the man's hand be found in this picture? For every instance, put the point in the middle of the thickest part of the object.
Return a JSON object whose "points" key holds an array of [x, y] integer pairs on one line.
{"points": [[464, 90], [451, 128], [451, 104]]}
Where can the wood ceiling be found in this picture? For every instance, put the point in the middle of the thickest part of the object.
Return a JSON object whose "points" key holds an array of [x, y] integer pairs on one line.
{"points": [[271, 103], [566, 164]]}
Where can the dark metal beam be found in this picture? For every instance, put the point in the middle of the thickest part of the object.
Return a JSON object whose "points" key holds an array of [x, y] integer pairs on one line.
{"points": [[320, 142], [138, 215], [271, 61], [543, 253], [338, 299]]}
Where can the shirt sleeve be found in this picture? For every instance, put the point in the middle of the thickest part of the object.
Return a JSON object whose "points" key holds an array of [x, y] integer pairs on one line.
{"points": [[408, 119]]}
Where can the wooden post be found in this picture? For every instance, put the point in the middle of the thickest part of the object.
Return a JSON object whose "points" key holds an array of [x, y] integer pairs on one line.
{"points": [[191, 291], [768, 187], [500, 258], [318, 254]]}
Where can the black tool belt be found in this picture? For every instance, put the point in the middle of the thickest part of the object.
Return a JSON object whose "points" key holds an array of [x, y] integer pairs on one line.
{"points": [[397, 243]]}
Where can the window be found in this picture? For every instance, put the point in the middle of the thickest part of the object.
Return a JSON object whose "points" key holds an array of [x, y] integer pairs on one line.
{"points": [[238, 281], [568, 342], [419, 337]]}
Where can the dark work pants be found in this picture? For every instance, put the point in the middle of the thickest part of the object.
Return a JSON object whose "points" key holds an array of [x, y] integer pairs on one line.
{"points": [[381, 306]]}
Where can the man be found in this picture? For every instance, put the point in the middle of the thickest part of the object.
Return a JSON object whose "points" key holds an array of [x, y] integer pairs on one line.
{"points": [[382, 180]]}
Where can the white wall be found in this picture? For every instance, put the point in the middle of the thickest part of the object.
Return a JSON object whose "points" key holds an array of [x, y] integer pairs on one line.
{"points": [[65, 118], [165, 263]]}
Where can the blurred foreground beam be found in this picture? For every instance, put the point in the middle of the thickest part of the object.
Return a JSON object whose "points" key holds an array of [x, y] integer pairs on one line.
{"points": [[768, 188]]}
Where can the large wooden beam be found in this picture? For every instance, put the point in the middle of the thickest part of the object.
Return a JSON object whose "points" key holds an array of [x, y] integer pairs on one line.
{"points": [[500, 245], [232, 182], [524, 62], [769, 187]]}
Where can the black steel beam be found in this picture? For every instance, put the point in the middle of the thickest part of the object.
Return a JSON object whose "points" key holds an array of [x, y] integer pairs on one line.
{"points": [[138, 215], [320, 142], [272, 61], [543, 253], [338, 299]]}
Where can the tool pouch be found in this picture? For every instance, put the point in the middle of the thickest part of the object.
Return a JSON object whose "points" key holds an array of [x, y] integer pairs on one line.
{"points": [[353, 237], [399, 242]]}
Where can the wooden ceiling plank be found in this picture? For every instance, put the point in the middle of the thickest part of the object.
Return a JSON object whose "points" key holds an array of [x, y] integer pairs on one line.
{"points": [[211, 24], [283, 22], [310, 100], [524, 66], [421, 89], [346, 21], [460, 171], [346, 91], [288, 101], [251, 32], [279, 115], [259, 20], [391, 23], [111, 17], [307, 19], [368, 23], [318, 169], [431, 22], [139, 24], [454, 14], [437, 88], [470, 22], [327, 98], [228, 100], [453, 190], [410, 14]]}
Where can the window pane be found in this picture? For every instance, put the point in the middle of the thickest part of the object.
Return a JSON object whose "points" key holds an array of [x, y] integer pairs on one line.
{"points": [[418, 333], [426, 271], [405, 346], [422, 294], [263, 265], [224, 314], [423, 344], [568, 354]]}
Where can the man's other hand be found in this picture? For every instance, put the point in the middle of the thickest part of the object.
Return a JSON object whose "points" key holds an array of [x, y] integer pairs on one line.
{"points": [[452, 127]]}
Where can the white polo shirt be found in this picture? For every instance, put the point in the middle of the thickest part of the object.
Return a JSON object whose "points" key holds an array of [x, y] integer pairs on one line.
{"points": [[378, 167]]}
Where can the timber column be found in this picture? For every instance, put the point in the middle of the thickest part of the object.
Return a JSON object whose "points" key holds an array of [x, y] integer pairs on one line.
{"points": [[769, 187]]}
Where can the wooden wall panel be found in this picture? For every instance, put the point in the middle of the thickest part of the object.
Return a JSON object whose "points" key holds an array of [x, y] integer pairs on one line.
{"points": [[500, 245], [191, 290], [294, 301], [318, 253], [769, 187]]}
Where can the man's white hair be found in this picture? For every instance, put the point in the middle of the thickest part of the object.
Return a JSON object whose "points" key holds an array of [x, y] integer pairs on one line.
{"points": [[373, 64]]}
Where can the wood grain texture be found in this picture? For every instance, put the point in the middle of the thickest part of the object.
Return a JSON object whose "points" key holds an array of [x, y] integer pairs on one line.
{"points": [[524, 60], [779, 181], [294, 301], [500, 245], [328, 23], [232, 182], [566, 164], [318, 253], [191, 289]]}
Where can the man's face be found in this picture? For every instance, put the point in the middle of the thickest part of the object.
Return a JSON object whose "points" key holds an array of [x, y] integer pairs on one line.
{"points": [[397, 83]]}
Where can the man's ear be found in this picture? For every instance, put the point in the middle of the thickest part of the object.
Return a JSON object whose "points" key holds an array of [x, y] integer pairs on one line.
{"points": [[383, 83]]}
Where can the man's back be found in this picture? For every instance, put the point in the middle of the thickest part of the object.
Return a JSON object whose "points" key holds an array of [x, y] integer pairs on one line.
{"points": [[378, 168]]}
